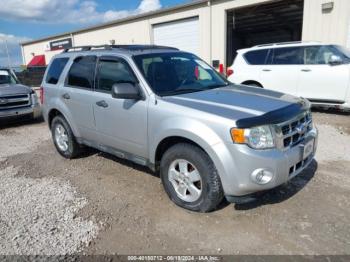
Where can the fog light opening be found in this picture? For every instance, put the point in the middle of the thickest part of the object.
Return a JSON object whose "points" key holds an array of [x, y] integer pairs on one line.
{"points": [[262, 176]]}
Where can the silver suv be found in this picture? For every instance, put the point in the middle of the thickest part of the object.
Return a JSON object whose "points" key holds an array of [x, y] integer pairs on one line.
{"points": [[169, 110]]}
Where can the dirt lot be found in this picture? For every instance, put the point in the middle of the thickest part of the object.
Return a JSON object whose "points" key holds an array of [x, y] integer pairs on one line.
{"points": [[98, 204]]}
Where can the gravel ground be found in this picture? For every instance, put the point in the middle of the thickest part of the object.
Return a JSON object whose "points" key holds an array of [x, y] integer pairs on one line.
{"points": [[330, 136], [99, 204], [21, 140], [38, 216]]}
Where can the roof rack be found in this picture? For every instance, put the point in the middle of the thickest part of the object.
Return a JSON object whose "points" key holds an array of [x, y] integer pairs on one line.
{"points": [[142, 47], [283, 43], [86, 48], [125, 47]]}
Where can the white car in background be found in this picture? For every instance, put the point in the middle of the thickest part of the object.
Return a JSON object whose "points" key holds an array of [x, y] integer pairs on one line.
{"points": [[318, 72]]}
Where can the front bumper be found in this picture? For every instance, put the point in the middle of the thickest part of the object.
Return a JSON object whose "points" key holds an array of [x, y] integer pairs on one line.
{"points": [[243, 161]]}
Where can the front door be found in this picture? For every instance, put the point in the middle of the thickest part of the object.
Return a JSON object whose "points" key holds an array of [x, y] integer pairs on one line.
{"points": [[281, 72], [121, 123], [319, 80]]}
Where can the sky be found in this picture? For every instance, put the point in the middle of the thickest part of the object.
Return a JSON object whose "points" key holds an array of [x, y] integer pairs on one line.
{"points": [[24, 20]]}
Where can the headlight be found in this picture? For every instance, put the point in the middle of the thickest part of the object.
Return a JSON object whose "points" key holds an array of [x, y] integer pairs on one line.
{"points": [[259, 137]]}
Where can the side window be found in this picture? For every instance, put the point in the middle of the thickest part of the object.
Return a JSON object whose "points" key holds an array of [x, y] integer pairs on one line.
{"points": [[287, 56], [317, 55], [111, 72], [81, 74], [55, 70], [257, 57]]}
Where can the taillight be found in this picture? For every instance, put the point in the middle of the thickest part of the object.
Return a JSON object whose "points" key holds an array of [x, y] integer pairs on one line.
{"points": [[41, 93], [229, 72]]}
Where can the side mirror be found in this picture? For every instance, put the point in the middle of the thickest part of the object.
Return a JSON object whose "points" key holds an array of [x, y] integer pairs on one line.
{"points": [[335, 60], [126, 91]]}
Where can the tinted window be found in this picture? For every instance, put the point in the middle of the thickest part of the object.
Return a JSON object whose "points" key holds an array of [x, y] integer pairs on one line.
{"points": [[55, 70], [82, 72], [178, 73], [287, 56], [111, 72], [257, 57], [318, 55]]}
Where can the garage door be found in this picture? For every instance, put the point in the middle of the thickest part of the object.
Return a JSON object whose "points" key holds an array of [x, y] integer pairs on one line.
{"points": [[348, 42], [182, 34]]}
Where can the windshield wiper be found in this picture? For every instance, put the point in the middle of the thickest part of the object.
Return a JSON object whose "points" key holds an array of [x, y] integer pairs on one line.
{"points": [[218, 86], [182, 91], [193, 90]]}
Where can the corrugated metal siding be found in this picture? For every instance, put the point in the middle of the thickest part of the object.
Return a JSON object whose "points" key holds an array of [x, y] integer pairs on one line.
{"points": [[348, 41], [183, 34], [329, 27]]}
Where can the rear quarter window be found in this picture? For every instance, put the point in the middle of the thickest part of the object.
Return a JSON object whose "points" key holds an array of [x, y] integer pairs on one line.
{"points": [[55, 70], [257, 57], [82, 72]]}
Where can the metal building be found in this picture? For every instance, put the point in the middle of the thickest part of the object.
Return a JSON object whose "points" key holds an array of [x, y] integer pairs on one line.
{"points": [[213, 29]]}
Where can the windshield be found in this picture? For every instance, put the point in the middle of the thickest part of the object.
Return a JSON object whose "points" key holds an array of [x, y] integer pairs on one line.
{"points": [[178, 73], [6, 78], [345, 52]]}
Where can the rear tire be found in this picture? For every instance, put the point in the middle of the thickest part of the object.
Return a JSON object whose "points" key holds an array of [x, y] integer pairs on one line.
{"points": [[64, 139], [190, 178]]}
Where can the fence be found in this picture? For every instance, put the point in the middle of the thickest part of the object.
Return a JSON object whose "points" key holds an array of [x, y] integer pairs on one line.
{"points": [[32, 76]]}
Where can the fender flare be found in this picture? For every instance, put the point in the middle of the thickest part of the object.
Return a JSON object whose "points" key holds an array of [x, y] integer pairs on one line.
{"points": [[200, 134], [65, 113]]}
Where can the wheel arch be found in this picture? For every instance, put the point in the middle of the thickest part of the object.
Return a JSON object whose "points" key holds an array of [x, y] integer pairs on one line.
{"points": [[167, 143], [53, 112], [184, 129], [180, 129], [216, 150]]}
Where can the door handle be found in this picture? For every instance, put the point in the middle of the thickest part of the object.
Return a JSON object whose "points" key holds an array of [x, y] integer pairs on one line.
{"points": [[266, 70], [66, 96], [306, 70], [102, 103]]}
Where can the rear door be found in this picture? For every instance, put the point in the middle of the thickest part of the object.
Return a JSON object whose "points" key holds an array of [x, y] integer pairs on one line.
{"points": [[319, 81], [247, 66], [78, 96], [281, 73], [121, 123]]}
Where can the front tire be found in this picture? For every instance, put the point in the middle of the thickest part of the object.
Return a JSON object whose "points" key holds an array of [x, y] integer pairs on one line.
{"points": [[190, 178], [64, 139]]}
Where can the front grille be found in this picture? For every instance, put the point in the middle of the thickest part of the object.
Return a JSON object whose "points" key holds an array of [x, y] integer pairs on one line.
{"points": [[295, 130], [14, 101]]}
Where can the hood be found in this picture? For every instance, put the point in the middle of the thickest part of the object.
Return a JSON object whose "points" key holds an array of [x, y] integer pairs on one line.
{"points": [[14, 89], [248, 106]]}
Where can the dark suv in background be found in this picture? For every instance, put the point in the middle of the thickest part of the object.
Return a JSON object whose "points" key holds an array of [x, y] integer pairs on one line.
{"points": [[16, 100]]}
